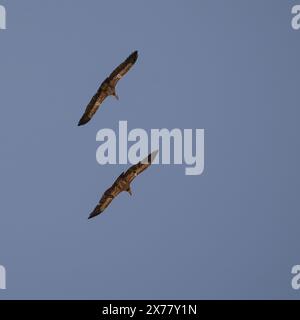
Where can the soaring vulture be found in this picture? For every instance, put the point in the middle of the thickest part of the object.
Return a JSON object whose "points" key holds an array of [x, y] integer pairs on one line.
{"points": [[122, 183], [107, 88]]}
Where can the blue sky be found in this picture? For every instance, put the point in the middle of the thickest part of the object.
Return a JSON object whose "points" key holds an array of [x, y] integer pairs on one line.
{"points": [[229, 67]]}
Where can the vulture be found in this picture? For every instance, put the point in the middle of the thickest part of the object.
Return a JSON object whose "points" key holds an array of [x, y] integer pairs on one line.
{"points": [[122, 183], [107, 88]]}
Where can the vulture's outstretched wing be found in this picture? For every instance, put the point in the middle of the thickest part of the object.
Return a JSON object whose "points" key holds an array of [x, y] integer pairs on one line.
{"points": [[138, 168], [122, 183], [107, 88], [94, 104], [122, 69], [108, 197]]}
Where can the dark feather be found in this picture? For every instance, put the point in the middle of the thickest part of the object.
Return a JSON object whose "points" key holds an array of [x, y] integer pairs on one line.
{"points": [[122, 183], [107, 88]]}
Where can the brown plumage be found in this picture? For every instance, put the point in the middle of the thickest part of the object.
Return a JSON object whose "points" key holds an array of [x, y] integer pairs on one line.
{"points": [[122, 183], [107, 88]]}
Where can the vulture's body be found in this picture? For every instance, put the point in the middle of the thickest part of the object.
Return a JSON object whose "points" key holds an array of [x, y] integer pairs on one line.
{"points": [[107, 88], [122, 183]]}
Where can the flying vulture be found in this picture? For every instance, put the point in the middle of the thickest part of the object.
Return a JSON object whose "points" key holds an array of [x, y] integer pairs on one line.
{"points": [[107, 88], [122, 183]]}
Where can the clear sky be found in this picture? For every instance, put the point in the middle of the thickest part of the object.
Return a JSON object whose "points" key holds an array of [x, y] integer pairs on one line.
{"points": [[229, 67]]}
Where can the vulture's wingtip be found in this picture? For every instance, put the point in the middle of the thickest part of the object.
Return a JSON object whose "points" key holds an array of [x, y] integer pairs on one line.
{"points": [[94, 214], [154, 154], [150, 158], [134, 55], [91, 216], [83, 121]]}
